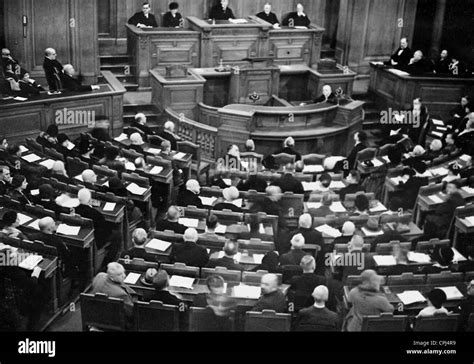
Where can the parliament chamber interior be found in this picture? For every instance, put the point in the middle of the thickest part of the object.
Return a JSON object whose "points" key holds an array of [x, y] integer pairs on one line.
{"points": [[237, 166]]}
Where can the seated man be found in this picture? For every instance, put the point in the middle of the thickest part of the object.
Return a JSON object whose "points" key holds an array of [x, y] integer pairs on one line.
{"points": [[327, 96], [318, 317], [288, 183], [211, 225], [436, 299], [270, 204], [360, 139], [139, 122], [172, 19], [272, 297], [230, 195], [253, 182], [5, 180], [168, 134], [139, 238], [170, 222], [303, 285], [53, 70], [294, 256], [9, 226], [325, 208], [7, 59], [353, 185], [441, 66], [144, 18], [189, 252], [161, 281], [323, 184], [288, 148], [297, 18], [402, 56], [221, 11], [355, 260], [268, 16], [253, 221], [73, 84], [228, 260], [418, 64], [190, 196], [111, 284]]}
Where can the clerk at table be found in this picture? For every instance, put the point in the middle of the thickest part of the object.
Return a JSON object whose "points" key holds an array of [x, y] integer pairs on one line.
{"points": [[297, 18], [221, 11], [268, 16], [144, 18], [172, 19]]}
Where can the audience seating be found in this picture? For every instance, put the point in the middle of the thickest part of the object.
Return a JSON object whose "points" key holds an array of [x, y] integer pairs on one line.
{"points": [[228, 275], [181, 269], [426, 246], [267, 321], [386, 248], [138, 264], [386, 322], [444, 277], [154, 316], [283, 159], [198, 166], [437, 323], [406, 279], [102, 312]]}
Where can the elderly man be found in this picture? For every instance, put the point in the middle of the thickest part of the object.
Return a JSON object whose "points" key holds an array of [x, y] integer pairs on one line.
{"points": [[139, 238], [294, 256], [348, 230], [418, 64], [297, 18], [442, 63], [327, 96], [318, 317], [272, 297], [89, 176], [325, 208], [5, 180], [268, 16], [70, 83], [144, 18], [171, 222], [270, 204], [112, 284], [355, 261], [402, 56], [366, 300], [228, 260], [250, 145], [53, 70], [7, 59], [221, 11], [168, 134], [190, 196], [230, 195], [161, 282], [289, 148], [189, 252], [288, 183], [139, 123]]}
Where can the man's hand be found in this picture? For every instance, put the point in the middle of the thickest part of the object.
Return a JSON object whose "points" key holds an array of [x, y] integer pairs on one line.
{"points": [[393, 62]]}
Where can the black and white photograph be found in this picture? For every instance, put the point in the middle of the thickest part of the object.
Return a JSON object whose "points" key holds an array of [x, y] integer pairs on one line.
{"points": [[177, 176]]}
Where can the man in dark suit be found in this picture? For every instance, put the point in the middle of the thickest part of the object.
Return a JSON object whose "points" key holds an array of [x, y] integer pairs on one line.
{"points": [[5, 179], [190, 196], [53, 70], [139, 238], [353, 185], [168, 134], [272, 297], [288, 183], [221, 11], [139, 123], [327, 96], [172, 19], [325, 208], [111, 284], [170, 222], [268, 16], [270, 204], [189, 252], [297, 18], [254, 182], [294, 256], [318, 317], [303, 285], [161, 282], [144, 18], [409, 190], [402, 56], [288, 148], [442, 64], [228, 260], [73, 84], [360, 139], [418, 64], [230, 195], [355, 261]]}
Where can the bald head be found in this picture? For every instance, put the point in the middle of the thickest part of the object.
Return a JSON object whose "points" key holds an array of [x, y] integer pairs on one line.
{"points": [[47, 225], [89, 176], [84, 196], [320, 295], [50, 53], [69, 69], [139, 237], [269, 283], [356, 243], [173, 213], [274, 193], [193, 186], [305, 221], [169, 126], [116, 272]]}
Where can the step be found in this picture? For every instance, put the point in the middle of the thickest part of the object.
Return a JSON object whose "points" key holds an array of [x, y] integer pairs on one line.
{"points": [[116, 59], [116, 68]]}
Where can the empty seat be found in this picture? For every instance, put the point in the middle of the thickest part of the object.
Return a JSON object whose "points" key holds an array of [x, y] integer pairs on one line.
{"points": [[228, 275], [102, 312], [437, 323], [386, 322], [444, 277], [154, 316], [267, 320]]}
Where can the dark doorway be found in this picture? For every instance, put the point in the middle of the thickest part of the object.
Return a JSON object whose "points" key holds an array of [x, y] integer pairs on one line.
{"points": [[423, 26], [2, 26]]}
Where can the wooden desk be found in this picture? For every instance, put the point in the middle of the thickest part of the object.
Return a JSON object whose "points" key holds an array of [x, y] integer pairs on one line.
{"points": [[20, 120], [160, 47], [397, 90]]}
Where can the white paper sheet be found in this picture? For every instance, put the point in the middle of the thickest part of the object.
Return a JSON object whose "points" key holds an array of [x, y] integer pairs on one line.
{"points": [[132, 278], [418, 257], [31, 158], [337, 206], [48, 163], [190, 223], [452, 293], [257, 258], [135, 189], [337, 185], [244, 291], [23, 218], [182, 282], [309, 186], [110, 206], [68, 230], [158, 244], [385, 260], [179, 155], [221, 229], [377, 163], [153, 151], [435, 199], [35, 192], [34, 225], [368, 232], [409, 297], [469, 220], [208, 201], [121, 137], [130, 166], [378, 208], [23, 149], [438, 122], [315, 168], [239, 202], [329, 231], [31, 262], [156, 170]]}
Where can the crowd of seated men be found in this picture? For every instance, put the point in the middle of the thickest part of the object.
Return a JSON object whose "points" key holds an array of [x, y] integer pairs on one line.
{"points": [[16, 80], [416, 63]]}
